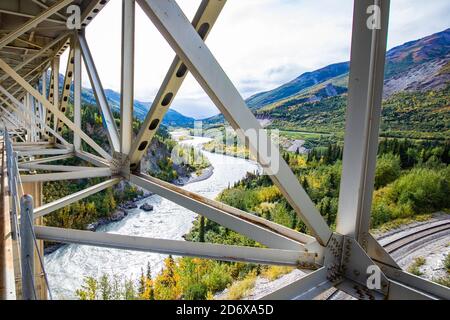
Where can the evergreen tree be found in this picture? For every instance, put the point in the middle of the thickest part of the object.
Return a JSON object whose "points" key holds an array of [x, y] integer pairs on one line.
{"points": [[142, 279], [149, 271], [201, 233], [105, 288]]}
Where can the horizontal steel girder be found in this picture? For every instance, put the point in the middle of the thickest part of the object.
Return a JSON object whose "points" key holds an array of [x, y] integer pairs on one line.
{"points": [[305, 288], [203, 22], [53, 109], [62, 202], [180, 248], [202, 206], [190, 47], [74, 175]]}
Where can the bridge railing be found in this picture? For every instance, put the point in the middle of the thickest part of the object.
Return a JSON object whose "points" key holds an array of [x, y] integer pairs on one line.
{"points": [[22, 225]]}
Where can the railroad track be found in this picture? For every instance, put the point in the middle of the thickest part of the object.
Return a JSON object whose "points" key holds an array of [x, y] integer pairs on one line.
{"points": [[408, 239], [419, 234]]}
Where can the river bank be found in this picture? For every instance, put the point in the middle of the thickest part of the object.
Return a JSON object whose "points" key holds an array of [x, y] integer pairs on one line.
{"points": [[123, 209], [68, 266]]}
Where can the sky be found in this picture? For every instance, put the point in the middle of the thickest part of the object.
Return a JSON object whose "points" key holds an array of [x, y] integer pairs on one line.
{"points": [[260, 44]]}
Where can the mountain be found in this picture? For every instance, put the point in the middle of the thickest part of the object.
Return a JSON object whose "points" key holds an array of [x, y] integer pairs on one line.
{"points": [[416, 66], [419, 65], [303, 82], [172, 118], [416, 95]]}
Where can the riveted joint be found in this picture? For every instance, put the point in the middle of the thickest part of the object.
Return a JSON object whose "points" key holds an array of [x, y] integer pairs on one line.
{"points": [[120, 165]]}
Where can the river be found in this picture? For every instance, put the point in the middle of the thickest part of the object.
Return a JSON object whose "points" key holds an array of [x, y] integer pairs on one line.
{"points": [[67, 266]]}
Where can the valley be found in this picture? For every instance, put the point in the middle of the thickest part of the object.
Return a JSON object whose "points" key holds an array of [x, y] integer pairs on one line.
{"points": [[411, 181]]}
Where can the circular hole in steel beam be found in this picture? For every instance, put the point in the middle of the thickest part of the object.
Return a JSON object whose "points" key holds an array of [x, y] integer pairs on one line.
{"points": [[203, 30], [167, 98], [143, 145], [153, 124], [182, 70]]}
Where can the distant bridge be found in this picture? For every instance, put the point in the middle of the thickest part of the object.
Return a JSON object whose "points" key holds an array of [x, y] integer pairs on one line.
{"points": [[34, 34]]}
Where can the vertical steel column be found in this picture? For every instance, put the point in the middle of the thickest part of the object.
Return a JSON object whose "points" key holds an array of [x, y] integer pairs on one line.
{"points": [[190, 47], [55, 88], [77, 92], [127, 81], [27, 247], [26, 103], [44, 93], [363, 118], [107, 115]]}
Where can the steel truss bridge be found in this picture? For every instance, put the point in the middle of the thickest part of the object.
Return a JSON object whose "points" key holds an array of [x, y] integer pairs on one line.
{"points": [[34, 34]]}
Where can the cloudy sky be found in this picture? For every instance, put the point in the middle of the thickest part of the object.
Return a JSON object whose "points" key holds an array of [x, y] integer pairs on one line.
{"points": [[260, 44]]}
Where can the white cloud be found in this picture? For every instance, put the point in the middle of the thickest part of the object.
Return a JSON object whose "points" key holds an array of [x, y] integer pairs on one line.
{"points": [[260, 43]]}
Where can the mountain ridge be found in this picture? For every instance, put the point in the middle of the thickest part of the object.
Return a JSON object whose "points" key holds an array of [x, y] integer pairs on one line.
{"points": [[418, 65], [172, 117]]}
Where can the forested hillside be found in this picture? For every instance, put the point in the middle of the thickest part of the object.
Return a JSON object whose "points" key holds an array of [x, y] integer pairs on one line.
{"points": [[412, 179], [105, 204], [417, 76], [406, 114]]}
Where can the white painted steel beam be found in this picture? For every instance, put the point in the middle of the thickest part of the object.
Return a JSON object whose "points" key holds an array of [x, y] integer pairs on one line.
{"points": [[21, 14], [65, 95], [306, 288], [363, 114], [430, 289], [54, 88], [54, 167], [204, 20], [377, 253], [398, 291], [97, 87], [48, 159], [280, 229], [185, 41], [43, 5], [91, 10], [44, 93], [176, 247], [77, 87], [28, 116], [127, 76], [202, 206], [33, 22], [49, 97], [54, 110], [74, 197], [43, 152], [74, 175], [36, 55], [91, 158]]}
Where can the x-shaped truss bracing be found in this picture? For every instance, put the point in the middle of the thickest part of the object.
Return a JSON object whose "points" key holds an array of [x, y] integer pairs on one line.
{"points": [[331, 259]]}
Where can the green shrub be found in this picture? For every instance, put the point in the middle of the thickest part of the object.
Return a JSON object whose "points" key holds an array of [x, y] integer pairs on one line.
{"points": [[445, 281], [242, 288], [217, 278], [387, 170], [195, 291], [447, 263], [420, 191], [414, 268], [425, 190]]}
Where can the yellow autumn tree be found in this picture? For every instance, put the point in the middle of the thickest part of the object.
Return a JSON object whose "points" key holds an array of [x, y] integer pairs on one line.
{"points": [[148, 293], [167, 283]]}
